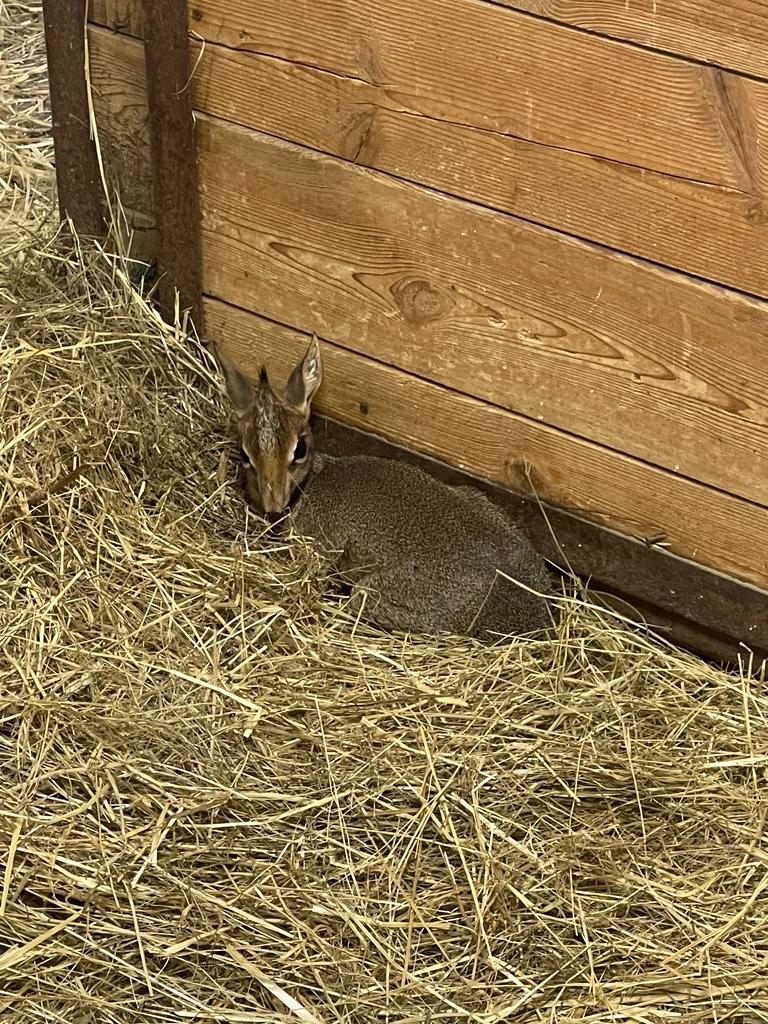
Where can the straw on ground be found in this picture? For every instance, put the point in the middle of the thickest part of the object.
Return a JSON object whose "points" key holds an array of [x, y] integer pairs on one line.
{"points": [[224, 800]]}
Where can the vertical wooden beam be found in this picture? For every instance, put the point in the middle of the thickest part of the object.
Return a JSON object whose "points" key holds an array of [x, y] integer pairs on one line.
{"points": [[174, 166], [78, 181]]}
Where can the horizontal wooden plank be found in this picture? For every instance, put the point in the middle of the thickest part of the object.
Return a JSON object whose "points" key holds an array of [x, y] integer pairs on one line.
{"points": [[715, 233], [637, 359], [710, 527], [730, 33], [491, 67]]}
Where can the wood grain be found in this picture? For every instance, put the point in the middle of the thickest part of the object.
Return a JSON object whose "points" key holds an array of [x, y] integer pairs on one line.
{"points": [[635, 358], [491, 67], [730, 33], [716, 233], [713, 528], [174, 167], [119, 90]]}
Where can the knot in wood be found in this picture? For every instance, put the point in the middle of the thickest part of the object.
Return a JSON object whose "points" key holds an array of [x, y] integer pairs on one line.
{"points": [[420, 302]]}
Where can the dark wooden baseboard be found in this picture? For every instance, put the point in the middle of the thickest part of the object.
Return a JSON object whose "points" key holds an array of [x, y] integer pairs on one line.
{"points": [[702, 610]]}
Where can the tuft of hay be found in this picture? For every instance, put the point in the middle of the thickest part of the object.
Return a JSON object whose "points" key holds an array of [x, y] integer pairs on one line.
{"points": [[225, 800], [26, 149]]}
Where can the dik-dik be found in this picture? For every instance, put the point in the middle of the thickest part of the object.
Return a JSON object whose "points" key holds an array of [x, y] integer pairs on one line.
{"points": [[419, 555]]}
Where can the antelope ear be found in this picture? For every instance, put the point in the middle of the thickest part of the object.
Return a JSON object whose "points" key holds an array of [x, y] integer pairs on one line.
{"points": [[306, 378], [239, 388]]}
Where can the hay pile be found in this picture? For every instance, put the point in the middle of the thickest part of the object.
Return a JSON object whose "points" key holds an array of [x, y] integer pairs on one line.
{"points": [[26, 149], [223, 800]]}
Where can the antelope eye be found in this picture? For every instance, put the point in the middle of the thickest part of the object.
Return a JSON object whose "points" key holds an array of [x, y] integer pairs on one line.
{"points": [[300, 451]]}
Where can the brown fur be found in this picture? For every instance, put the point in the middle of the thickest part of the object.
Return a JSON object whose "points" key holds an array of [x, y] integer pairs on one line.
{"points": [[419, 556]]}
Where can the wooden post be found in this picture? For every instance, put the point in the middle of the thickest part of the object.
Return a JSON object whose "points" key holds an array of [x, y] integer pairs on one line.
{"points": [[174, 167], [78, 181]]}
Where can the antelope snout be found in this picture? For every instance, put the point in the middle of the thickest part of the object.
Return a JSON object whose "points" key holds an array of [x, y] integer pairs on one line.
{"points": [[275, 498]]}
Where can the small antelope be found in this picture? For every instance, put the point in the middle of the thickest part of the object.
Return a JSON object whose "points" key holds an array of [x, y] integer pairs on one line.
{"points": [[420, 556]]}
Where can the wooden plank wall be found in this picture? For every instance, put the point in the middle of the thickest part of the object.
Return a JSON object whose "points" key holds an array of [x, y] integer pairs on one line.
{"points": [[533, 235]]}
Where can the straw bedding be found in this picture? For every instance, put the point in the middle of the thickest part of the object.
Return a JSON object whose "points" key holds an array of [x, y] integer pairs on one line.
{"points": [[223, 799]]}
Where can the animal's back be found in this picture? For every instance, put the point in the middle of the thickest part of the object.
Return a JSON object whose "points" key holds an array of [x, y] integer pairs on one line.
{"points": [[427, 553]]}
